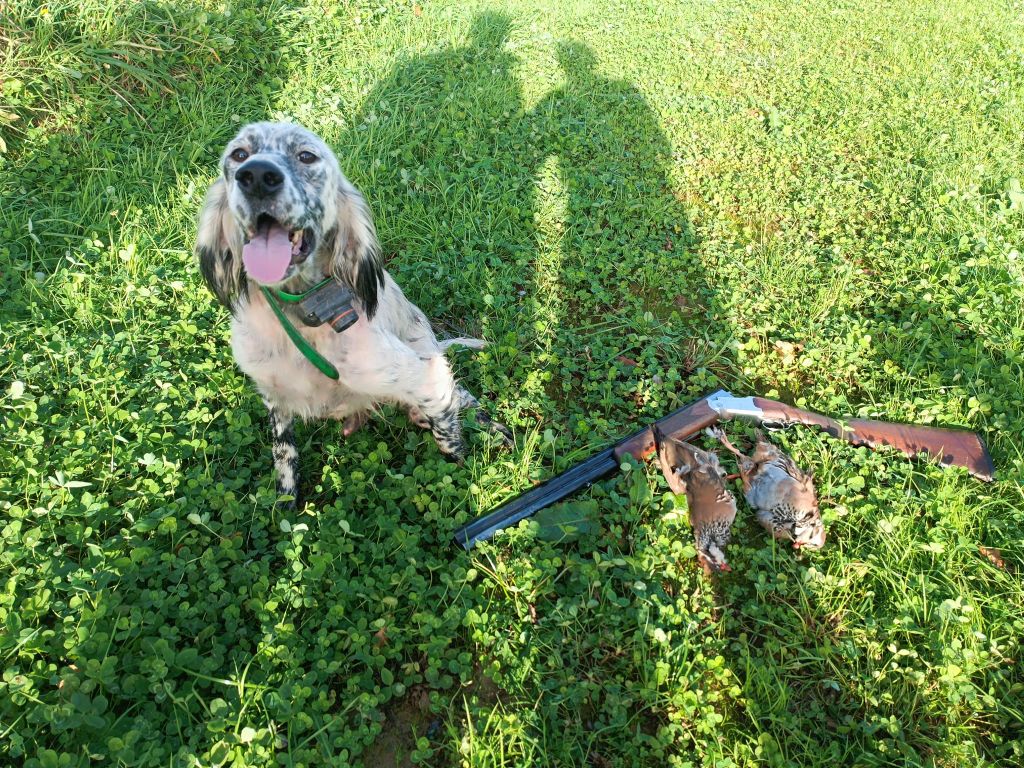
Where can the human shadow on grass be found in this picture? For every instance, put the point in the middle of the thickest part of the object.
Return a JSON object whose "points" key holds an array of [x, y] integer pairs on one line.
{"points": [[554, 233], [199, 603], [570, 225], [212, 610]]}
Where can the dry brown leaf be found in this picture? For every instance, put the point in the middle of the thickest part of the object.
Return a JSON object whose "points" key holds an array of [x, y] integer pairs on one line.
{"points": [[994, 556], [73, 668]]}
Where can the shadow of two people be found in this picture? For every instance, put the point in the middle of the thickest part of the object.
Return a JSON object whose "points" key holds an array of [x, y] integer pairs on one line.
{"points": [[561, 214]]}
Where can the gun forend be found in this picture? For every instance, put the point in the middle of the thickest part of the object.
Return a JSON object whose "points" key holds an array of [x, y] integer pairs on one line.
{"points": [[681, 424]]}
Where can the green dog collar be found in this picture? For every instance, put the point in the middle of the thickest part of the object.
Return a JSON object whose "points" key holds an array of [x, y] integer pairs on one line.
{"points": [[319, 361], [295, 298]]}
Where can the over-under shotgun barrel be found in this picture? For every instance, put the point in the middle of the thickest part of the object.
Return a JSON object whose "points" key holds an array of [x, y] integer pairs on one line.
{"points": [[682, 423]]}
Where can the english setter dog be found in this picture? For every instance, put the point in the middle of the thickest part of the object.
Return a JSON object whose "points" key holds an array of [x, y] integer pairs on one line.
{"points": [[281, 224]]}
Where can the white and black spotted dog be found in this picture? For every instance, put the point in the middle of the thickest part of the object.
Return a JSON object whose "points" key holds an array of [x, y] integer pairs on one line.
{"points": [[284, 217]]}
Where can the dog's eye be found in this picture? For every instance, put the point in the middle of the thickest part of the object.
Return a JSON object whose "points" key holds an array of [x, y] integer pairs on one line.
{"points": [[307, 157], [239, 155]]}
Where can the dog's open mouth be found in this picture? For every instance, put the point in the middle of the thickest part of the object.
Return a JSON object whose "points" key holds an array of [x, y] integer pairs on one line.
{"points": [[272, 249]]}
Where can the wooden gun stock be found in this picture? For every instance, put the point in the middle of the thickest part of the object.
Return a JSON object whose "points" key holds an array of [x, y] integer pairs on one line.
{"points": [[950, 447]]}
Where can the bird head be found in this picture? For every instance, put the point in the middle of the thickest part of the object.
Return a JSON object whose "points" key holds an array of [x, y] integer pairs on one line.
{"points": [[713, 559], [808, 532]]}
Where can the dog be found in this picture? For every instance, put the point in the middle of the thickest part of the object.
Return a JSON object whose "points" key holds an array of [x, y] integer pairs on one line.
{"points": [[281, 220]]}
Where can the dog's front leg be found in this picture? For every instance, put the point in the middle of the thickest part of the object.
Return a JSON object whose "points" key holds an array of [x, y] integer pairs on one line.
{"points": [[286, 455], [441, 411], [483, 418], [383, 368]]}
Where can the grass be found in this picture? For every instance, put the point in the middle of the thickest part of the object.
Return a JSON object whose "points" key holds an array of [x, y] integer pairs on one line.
{"points": [[635, 203]]}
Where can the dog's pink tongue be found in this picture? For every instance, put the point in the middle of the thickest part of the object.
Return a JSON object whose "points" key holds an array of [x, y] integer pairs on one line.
{"points": [[268, 254]]}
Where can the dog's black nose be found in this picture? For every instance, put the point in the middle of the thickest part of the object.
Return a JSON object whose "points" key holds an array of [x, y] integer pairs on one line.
{"points": [[259, 178]]}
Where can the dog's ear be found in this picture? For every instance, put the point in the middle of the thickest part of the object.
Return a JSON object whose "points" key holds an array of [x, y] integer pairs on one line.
{"points": [[356, 260], [219, 247]]}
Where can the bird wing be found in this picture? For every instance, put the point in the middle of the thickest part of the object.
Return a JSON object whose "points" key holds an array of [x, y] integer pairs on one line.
{"points": [[800, 492], [699, 475], [676, 462], [787, 465], [764, 451], [709, 500]]}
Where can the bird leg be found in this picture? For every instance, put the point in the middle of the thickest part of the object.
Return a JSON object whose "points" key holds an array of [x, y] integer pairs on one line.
{"points": [[705, 564], [719, 434]]}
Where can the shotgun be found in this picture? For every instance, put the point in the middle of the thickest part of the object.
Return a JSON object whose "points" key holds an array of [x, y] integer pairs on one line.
{"points": [[950, 447]]}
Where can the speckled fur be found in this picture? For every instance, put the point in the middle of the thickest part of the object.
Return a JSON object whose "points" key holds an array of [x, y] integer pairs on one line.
{"points": [[390, 355]]}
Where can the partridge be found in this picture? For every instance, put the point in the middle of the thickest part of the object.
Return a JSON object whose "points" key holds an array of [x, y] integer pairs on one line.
{"points": [[781, 493], [700, 476]]}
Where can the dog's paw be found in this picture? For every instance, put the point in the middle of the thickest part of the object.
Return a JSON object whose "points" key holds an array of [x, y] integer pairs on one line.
{"points": [[496, 427], [288, 500], [354, 423], [417, 418]]}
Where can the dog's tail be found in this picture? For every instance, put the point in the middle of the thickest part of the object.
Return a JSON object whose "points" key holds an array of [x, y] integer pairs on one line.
{"points": [[462, 341]]}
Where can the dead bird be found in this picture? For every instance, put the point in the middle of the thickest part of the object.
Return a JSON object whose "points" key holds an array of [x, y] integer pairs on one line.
{"points": [[700, 476], [781, 493]]}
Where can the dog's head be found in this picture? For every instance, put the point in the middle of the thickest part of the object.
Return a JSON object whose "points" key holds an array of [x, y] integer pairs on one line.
{"points": [[282, 212]]}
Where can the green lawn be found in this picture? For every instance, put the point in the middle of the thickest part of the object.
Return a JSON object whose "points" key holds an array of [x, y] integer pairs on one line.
{"points": [[819, 200]]}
